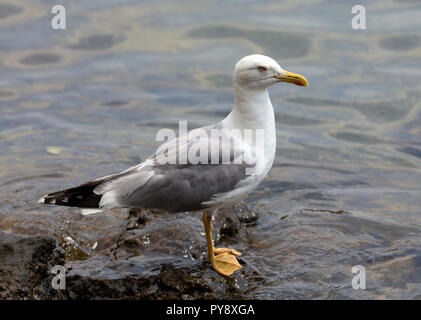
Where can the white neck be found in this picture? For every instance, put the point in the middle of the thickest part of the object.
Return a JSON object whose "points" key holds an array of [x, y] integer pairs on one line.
{"points": [[253, 110]]}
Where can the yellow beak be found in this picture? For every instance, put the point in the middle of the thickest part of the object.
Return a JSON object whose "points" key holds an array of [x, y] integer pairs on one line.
{"points": [[294, 78]]}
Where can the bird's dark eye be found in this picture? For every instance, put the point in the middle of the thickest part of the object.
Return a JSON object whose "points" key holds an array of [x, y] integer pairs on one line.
{"points": [[262, 69]]}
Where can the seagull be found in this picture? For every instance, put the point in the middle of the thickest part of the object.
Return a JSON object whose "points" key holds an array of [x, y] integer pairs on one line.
{"points": [[170, 181]]}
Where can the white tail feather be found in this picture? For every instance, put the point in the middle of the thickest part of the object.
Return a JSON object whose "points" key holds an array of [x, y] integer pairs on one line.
{"points": [[87, 212]]}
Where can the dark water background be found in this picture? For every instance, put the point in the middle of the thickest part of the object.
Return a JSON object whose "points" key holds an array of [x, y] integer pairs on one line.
{"points": [[345, 188]]}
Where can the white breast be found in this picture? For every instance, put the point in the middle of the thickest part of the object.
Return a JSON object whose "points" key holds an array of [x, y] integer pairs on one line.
{"points": [[262, 119]]}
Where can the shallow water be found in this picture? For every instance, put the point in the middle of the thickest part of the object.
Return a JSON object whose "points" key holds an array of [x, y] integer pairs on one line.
{"points": [[345, 188]]}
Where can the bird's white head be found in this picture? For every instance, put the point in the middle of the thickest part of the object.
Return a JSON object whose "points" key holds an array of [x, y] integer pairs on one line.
{"points": [[259, 71]]}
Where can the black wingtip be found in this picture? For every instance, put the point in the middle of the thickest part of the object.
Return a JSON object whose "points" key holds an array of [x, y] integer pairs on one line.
{"points": [[48, 199], [82, 196]]}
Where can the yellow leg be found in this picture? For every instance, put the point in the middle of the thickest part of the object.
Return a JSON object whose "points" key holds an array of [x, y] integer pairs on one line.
{"points": [[223, 260]]}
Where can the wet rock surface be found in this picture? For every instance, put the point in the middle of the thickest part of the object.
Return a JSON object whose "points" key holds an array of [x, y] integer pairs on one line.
{"points": [[25, 267], [163, 259], [154, 256]]}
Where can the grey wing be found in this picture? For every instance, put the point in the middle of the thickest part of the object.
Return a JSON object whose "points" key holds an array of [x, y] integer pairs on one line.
{"points": [[177, 187]]}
